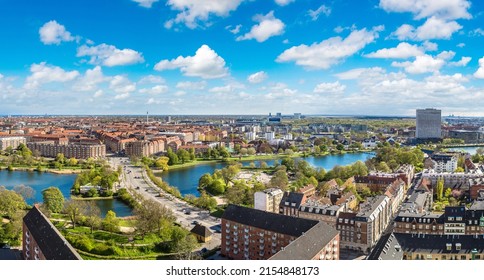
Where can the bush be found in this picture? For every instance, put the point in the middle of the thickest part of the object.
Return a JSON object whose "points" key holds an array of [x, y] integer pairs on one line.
{"points": [[102, 249]]}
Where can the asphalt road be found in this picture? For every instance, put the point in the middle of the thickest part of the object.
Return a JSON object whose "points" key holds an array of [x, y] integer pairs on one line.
{"points": [[135, 180]]}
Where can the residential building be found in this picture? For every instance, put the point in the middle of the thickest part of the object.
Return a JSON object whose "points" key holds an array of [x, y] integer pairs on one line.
{"points": [[268, 200], [429, 123], [12, 142], [442, 162], [49, 149], [258, 235], [42, 241], [290, 203]]}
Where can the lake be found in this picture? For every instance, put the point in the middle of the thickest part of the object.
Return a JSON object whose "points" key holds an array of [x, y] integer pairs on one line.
{"points": [[186, 179], [471, 149], [42, 180]]}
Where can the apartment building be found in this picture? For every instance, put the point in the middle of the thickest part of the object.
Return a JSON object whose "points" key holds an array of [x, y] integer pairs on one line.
{"points": [[42, 241], [441, 162], [259, 235], [290, 203], [268, 200], [49, 149], [144, 148], [13, 142]]}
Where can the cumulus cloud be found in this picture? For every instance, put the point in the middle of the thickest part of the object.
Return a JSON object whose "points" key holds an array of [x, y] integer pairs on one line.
{"points": [[192, 12], [158, 89], [444, 9], [145, 3], [403, 50], [422, 64], [90, 80], [433, 28], [258, 77], [480, 71], [54, 33], [109, 55], [121, 84], [331, 51], [314, 14], [43, 73], [151, 79], [268, 26], [191, 85], [283, 2], [335, 87], [206, 64]]}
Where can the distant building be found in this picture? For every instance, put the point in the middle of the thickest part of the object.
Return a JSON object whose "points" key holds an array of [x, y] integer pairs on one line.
{"points": [[13, 142], [253, 234], [268, 200], [429, 123], [42, 241], [49, 149], [441, 162], [290, 203]]}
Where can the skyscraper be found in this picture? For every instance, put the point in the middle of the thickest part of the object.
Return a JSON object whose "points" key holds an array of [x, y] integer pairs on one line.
{"points": [[429, 124]]}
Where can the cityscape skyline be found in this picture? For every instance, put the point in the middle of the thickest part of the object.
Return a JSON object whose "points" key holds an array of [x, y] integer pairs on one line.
{"points": [[241, 57]]}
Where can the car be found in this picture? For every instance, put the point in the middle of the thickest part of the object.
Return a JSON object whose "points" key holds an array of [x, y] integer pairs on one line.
{"points": [[195, 223], [188, 212]]}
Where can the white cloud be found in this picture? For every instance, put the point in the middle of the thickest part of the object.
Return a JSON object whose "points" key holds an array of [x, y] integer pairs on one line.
{"points": [[145, 3], [191, 85], [331, 51], [444, 9], [268, 26], [279, 91], [153, 101], [283, 2], [42, 74], [151, 79], [54, 33], [98, 93], [90, 80], [121, 96], [222, 89], [430, 46], [446, 55], [158, 89], [356, 73], [234, 30], [421, 64], [480, 71], [121, 84], [477, 32], [403, 50], [258, 77], [206, 64], [461, 45], [194, 11], [335, 87], [433, 28], [109, 55], [314, 14]]}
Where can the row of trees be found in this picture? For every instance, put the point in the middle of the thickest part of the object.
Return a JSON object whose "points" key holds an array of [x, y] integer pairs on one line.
{"points": [[12, 206], [102, 176]]}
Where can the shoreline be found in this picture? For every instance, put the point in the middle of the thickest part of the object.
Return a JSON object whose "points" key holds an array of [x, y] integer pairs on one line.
{"points": [[54, 171]]}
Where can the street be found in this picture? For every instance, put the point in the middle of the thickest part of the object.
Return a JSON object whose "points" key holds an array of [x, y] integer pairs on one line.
{"points": [[135, 180]]}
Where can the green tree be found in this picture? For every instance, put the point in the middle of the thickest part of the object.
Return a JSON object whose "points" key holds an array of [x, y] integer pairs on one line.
{"points": [[279, 180], [172, 157], [25, 191], [110, 222], [243, 151], [183, 155], [439, 189], [251, 151], [72, 162], [53, 199], [229, 173], [74, 209], [10, 202], [150, 216], [162, 163], [288, 163]]}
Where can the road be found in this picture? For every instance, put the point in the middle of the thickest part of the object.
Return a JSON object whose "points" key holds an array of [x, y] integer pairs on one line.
{"points": [[135, 180]]}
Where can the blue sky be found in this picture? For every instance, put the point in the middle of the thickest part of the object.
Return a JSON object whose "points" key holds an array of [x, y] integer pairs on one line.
{"points": [[374, 57]]}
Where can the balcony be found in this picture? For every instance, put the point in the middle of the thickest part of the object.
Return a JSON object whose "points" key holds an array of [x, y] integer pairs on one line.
{"points": [[261, 240], [261, 247], [274, 244], [246, 236], [246, 230], [246, 243], [227, 231], [236, 239]]}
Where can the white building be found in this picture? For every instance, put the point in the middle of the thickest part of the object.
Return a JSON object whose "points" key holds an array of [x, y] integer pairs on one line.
{"points": [[270, 135], [250, 136], [429, 124], [268, 200], [13, 142]]}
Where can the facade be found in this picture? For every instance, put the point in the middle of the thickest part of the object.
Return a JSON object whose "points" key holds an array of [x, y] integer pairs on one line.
{"points": [[69, 151], [144, 148], [290, 203], [13, 142], [442, 162], [259, 235], [42, 241], [201, 233], [268, 200], [429, 124]]}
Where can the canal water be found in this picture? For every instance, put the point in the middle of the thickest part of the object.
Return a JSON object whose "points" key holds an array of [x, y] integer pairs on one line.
{"points": [[186, 179], [42, 180]]}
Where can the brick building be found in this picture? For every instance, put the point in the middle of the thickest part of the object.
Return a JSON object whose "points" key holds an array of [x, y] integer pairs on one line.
{"points": [[258, 235], [49, 149], [42, 241]]}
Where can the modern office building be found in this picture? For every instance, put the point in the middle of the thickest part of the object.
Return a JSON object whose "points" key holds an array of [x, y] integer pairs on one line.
{"points": [[429, 124]]}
